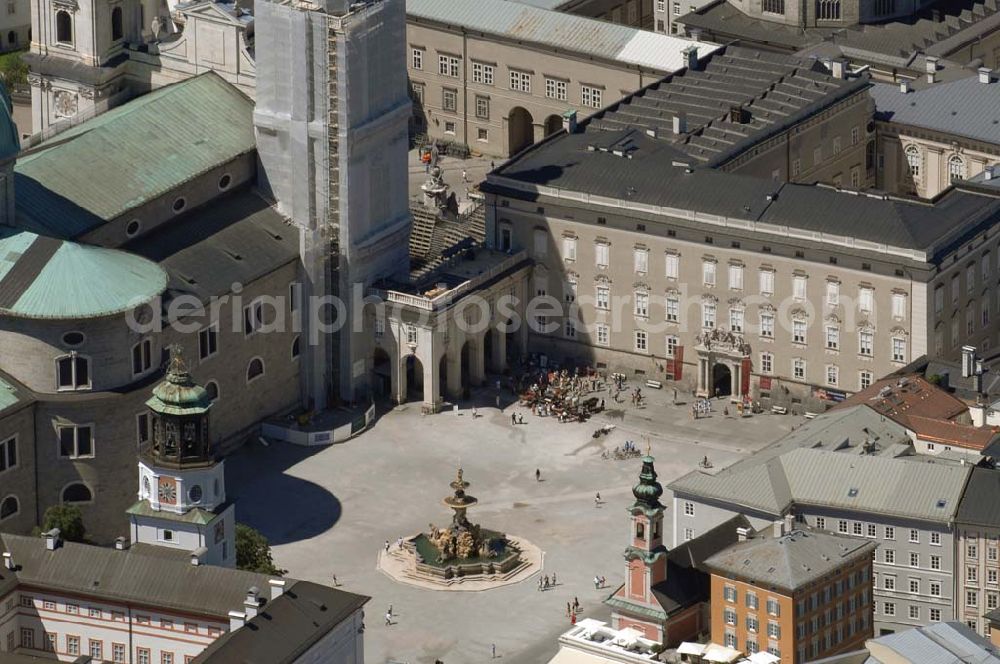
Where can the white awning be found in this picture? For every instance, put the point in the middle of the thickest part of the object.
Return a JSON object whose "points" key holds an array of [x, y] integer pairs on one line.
{"points": [[762, 657], [688, 648], [721, 654]]}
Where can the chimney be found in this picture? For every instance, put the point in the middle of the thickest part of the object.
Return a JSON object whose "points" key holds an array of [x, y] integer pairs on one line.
{"points": [[904, 86], [694, 34], [838, 68], [988, 173], [8, 561], [53, 540], [198, 556], [569, 122], [277, 588], [252, 602], [119, 544], [789, 523], [742, 534], [968, 361], [930, 64], [236, 620], [690, 57], [985, 75], [680, 123], [778, 528]]}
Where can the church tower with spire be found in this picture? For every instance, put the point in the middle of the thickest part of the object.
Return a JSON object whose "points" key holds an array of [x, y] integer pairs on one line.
{"points": [[634, 604], [182, 489]]}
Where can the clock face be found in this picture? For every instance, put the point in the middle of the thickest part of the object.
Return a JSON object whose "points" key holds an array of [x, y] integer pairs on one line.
{"points": [[65, 103], [167, 491]]}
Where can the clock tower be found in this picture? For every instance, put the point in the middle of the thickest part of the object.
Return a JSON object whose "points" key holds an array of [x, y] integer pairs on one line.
{"points": [[182, 490]]}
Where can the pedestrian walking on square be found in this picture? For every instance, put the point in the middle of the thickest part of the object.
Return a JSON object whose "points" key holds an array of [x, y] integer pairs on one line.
{"points": [[493, 651], [553, 578], [567, 610], [539, 583], [389, 611], [520, 419], [513, 417], [387, 546], [538, 475], [604, 581], [576, 605], [335, 584], [475, 413], [493, 166], [388, 619], [465, 176], [597, 582], [597, 499]]}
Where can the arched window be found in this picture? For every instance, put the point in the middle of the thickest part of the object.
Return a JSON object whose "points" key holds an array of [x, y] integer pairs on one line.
{"points": [[12, 38], [64, 27], [72, 372], [9, 507], [956, 168], [912, 160], [828, 10], [255, 369], [116, 24], [213, 390], [77, 493], [296, 349]]}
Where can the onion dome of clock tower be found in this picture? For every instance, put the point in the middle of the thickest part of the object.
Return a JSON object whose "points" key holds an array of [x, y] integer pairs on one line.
{"points": [[180, 409], [648, 491]]}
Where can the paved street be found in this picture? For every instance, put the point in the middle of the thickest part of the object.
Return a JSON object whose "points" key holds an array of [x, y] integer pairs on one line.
{"points": [[328, 510]]}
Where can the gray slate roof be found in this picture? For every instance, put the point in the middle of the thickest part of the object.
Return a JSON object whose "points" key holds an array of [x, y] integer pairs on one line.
{"points": [[127, 576], [814, 466], [789, 561], [236, 238], [981, 502], [524, 23], [964, 107], [286, 628], [775, 91], [611, 156], [939, 31], [937, 643]]}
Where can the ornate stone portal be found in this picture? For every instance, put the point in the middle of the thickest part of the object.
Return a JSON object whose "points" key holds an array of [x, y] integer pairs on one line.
{"points": [[462, 553], [723, 364]]}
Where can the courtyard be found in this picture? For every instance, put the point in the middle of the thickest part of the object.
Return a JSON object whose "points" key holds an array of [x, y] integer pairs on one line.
{"points": [[328, 511]]}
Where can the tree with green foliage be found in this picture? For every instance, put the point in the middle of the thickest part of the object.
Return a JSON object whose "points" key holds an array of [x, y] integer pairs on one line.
{"points": [[68, 519], [13, 70], [253, 552]]}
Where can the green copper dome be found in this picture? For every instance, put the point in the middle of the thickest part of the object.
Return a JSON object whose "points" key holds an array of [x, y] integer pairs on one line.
{"points": [[648, 491], [179, 394]]}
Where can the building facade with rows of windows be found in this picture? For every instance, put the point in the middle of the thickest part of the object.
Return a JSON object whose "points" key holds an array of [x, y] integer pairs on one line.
{"points": [[479, 79], [63, 601], [789, 294], [851, 472], [797, 594]]}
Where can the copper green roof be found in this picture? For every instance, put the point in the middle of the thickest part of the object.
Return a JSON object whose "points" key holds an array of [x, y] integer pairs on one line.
{"points": [[42, 277], [194, 515], [80, 178], [648, 491], [8, 395], [179, 394]]}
